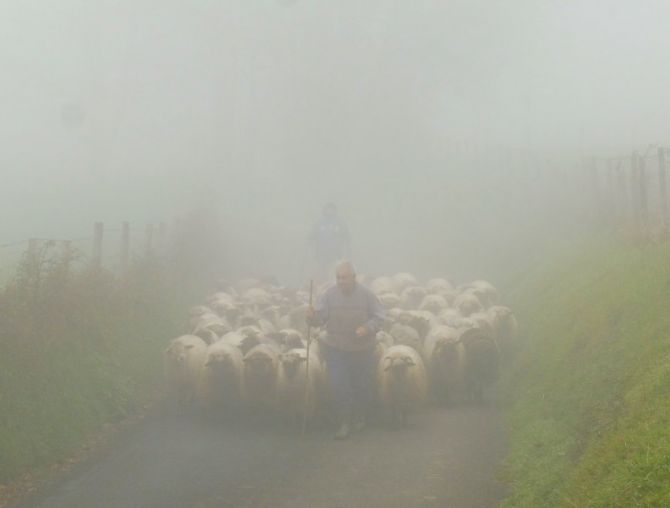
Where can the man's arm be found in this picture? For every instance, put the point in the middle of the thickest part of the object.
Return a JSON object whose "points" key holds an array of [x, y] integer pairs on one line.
{"points": [[376, 314]]}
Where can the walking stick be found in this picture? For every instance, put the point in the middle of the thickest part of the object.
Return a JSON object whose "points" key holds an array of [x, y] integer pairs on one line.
{"points": [[309, 341]]}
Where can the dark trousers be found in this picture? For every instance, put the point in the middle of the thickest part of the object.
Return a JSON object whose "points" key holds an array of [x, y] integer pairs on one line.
{"points": [[351, 376]]}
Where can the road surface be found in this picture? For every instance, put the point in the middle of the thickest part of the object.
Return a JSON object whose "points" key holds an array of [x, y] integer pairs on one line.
{"points": [[447, 458]]}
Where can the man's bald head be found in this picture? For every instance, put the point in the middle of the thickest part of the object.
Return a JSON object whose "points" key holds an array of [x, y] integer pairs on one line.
{"points": [[345, 274]]}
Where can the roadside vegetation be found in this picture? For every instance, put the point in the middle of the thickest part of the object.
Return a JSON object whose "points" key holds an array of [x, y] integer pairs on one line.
{"points": [[79, 348], [588, 400]]}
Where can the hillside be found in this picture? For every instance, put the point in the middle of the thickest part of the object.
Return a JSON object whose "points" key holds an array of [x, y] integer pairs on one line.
{"points": [[588, 401]]}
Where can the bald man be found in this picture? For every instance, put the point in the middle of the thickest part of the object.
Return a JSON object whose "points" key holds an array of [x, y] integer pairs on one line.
{"points": [[352, 316]]}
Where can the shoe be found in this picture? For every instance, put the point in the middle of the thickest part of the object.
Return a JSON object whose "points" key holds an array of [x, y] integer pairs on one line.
{"points": [[343, 432]]}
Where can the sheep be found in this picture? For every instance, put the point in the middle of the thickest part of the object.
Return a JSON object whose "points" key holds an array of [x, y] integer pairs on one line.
{"points": [[421, 320], [199, 310], [484, 322], [389, 300], [299, 386], [412, 296], [222, 303], [382, 285], [182, 361], [445, 358], [241, 341], [438, 286], [448, 315], [221, 383], [257, 298], [384, 338], [467, 303], [264, 326], [289, 338], [505, 328], [434, 304], [210, 327], [405, 335], [383, 341], [482, 362], [402, 280], [402, 383], [261, 365], [488, 290]]}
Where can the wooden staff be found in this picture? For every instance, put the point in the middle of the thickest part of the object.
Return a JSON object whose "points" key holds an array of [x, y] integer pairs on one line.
{"points": [[309, 341]]}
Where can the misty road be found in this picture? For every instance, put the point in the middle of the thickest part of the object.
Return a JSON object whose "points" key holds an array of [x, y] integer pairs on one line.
{"points": [[446, 458]]}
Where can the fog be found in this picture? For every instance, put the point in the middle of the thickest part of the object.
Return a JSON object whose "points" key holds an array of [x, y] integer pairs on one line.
{"points": [[440, 129]]}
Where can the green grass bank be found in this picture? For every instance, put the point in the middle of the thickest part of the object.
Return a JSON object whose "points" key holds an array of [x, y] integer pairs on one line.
{"points": [[78, 349], [588, 398]]}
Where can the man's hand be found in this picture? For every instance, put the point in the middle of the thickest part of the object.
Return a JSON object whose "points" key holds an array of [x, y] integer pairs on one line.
{"points": [[362, 331]]}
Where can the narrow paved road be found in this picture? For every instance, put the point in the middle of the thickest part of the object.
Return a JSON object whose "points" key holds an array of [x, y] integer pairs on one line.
{"points": [[447, 458]]}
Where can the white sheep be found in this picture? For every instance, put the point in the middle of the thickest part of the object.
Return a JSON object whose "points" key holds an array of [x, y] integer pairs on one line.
{"points": [[445, 358], [506, 328], [481, 362], [402, 383], [241, 341], [290, 338], [412, 296], [382, 285], [402, 280], [261, 364], [438, 286], [389, 300], [183, 359], [434, 304], [405, 335], [221, 383], [300, 386], [468, 303]]}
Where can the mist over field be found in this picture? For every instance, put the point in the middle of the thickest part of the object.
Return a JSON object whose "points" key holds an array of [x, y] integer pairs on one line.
{"points": [[444, 131]]}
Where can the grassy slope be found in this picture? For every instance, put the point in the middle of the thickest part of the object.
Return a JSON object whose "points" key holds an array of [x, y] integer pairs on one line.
{"points": [[589, 397], [86, 352]]}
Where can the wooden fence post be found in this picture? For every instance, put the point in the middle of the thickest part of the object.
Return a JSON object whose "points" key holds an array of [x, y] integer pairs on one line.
{"points": [[644, 207], [623, 195], [595, 188], [612, 204], [32, 247], [661, 185], [634, 190], [149, 240], [98, 232], [161, 238], [125, 246]]}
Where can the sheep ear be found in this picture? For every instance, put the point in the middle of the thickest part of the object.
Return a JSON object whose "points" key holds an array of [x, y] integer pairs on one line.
{"points": [[409, 361], [169, 349]]}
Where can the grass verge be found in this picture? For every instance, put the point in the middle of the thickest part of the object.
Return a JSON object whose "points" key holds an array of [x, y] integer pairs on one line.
{"points": [[588, 399]]}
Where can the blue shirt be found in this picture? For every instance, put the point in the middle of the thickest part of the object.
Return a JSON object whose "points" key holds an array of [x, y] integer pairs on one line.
{"points": [[331, 239]]}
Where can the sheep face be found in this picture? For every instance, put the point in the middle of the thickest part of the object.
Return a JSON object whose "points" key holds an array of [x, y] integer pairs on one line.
{"points": [[291, 362], [399, 364], [177, 353], [260, 365]]}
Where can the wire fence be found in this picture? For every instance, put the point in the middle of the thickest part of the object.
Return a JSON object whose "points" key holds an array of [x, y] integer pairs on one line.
{"points": [[110, 247], [632, 190]]}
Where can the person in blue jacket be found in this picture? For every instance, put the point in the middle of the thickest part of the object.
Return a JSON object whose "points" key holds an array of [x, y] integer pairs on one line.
{"points": [[330, 240]]}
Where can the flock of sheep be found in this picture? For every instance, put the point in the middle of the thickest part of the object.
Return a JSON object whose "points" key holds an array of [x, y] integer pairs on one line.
{"points": [[246, 352]]}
